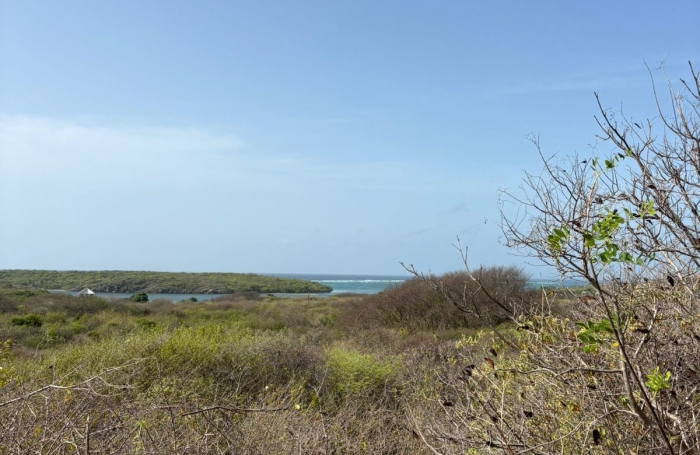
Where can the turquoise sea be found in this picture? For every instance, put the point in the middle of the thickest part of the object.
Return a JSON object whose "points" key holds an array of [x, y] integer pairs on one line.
{"points": [[356, 284]]}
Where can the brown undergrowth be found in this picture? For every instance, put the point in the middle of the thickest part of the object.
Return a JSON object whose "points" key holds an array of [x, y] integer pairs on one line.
{"points": [[235, 375]]}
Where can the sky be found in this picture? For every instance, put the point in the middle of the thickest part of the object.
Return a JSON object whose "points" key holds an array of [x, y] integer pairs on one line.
{"points": [[305, 136]]}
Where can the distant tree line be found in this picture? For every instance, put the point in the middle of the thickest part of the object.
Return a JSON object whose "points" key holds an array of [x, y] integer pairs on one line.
{"points": [[157, 282]]}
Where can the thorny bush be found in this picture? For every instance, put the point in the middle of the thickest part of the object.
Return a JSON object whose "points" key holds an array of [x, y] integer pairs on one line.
{"points": [[620, 373]]}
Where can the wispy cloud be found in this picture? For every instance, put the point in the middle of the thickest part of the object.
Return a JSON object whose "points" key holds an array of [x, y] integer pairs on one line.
{"points": [[588, 80], [76, 158], [34, 147], [49, 135]]}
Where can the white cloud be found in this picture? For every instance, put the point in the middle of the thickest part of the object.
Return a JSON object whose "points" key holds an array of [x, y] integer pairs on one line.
{"points": [[37, 148], [44, 136], [162, 194]]}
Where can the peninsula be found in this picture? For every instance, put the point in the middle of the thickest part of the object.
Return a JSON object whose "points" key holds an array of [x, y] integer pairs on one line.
{"points": [[157, 282]]}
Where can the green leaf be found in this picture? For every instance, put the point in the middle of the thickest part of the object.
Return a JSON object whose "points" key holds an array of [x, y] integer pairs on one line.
{"points": [[657, 382]]}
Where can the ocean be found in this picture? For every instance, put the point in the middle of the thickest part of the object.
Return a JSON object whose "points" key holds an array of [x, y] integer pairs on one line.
{"points": [[356, 284]]}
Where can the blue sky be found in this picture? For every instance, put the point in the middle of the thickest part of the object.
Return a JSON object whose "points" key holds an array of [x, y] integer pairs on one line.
{"points": [[306, 136]]}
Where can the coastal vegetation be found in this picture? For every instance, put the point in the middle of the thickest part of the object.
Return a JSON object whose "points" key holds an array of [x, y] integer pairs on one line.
{"points": [[471, 362], [157, 282], [139, 297], [238, 374]]}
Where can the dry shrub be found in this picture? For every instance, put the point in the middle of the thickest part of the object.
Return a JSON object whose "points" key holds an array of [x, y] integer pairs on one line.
{"points": [[238, 296], [420, 304], [620, 374], [72, 306], [553, 386], [206, 390], [156, 307], [82, 420], [7, 305]]}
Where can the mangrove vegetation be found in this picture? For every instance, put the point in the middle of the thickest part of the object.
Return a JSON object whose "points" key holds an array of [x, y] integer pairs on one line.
{"points": [[157, 282]]}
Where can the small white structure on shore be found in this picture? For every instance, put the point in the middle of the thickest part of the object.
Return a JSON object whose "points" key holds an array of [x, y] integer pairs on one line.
{"points": [[85, 292]]}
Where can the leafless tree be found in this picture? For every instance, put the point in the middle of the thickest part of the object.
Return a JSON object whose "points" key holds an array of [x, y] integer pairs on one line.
{"points": [[619, 373]]}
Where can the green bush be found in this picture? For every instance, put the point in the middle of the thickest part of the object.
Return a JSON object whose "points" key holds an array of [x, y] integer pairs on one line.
{"points": [[64, 332], [146, 323], [30, 320], [353, 373], [139, 297]]}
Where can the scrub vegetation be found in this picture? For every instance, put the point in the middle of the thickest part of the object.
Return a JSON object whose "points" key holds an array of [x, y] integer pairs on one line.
{"points": [[157, 282], [237, 374], [471, 362]]}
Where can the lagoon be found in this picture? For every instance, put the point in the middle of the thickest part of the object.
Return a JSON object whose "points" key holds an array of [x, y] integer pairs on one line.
{"points": [[356, 284]]}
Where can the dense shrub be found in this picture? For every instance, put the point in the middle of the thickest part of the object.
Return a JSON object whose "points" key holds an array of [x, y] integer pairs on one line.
{"points": [[7, 305], [65, 331], [208, 390], [30, 320], [139, 297], [412, 305], [351, 373], [418, 305], [11, 297], [21, 294], [72, 306]]}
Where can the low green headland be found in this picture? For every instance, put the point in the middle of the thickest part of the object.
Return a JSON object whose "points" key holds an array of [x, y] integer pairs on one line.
{"points": [[157, 282]]}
